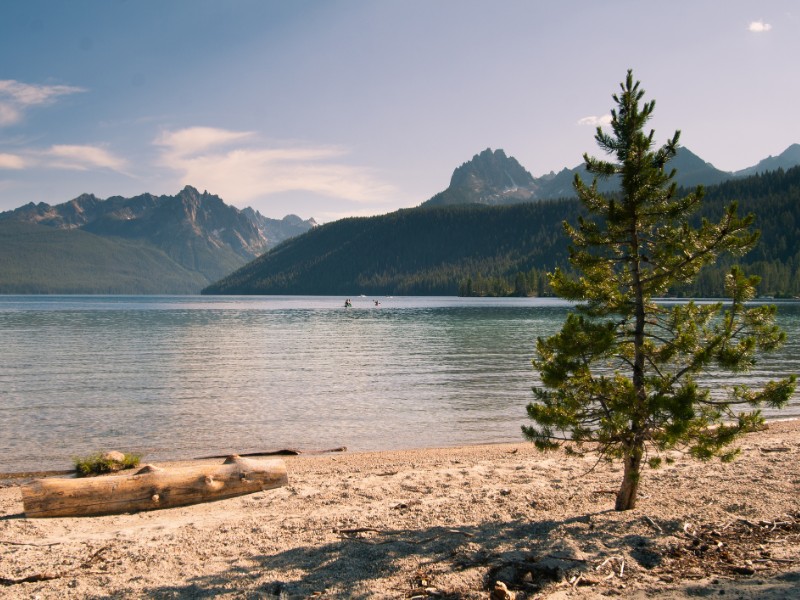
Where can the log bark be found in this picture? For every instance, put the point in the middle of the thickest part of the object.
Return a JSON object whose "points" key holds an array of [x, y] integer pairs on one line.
{"points": [[151, 488]]}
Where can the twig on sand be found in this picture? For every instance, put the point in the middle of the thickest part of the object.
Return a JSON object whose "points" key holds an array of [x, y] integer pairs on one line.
{"points": [[362, 530], [8, 581], [348, 534], [653, 524], [10, 543]]}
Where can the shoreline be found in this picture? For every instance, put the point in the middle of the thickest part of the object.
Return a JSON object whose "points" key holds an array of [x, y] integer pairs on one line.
{"points": [[282, 453], [440, 523]]}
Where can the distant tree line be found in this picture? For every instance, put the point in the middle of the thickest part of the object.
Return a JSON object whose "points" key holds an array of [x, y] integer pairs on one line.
{"points": [[774, 199], [478, 250]]}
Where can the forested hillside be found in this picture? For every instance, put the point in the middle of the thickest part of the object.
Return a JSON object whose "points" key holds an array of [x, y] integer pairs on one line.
{"points": [[411, 251], [774, 199], [501, 250], [36, 259]]}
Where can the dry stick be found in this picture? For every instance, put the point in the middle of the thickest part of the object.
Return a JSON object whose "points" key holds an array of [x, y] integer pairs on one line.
{"points": [[28, 543], [553, 556], [345, 534], [50, 576], [281, 452], [749, 523], [33, 578], [786, 561], [653, 524], [603, 564], [451, 531]]}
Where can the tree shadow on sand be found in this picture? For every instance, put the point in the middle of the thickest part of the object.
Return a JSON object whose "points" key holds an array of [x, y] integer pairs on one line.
{"points": [[526, 555]]}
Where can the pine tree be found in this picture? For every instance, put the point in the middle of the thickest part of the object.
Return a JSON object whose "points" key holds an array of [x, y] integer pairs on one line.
{"points": [[623, 371]]}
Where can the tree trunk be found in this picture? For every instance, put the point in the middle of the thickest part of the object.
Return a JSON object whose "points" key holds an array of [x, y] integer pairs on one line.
{"points": [[626, 497], [150, 488]]}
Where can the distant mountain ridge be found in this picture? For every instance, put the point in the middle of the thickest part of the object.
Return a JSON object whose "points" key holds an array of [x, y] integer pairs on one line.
{"points": [[197, 232], [492, 178], [179, 244], [477, 249], [785, 160]]}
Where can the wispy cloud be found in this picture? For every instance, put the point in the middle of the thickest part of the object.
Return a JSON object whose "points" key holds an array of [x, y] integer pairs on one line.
{"points": [[234, 165], [595, 121], [81, 158], [73, 158], [192, 140], [759, 27], [16, 97], [11, 161]]}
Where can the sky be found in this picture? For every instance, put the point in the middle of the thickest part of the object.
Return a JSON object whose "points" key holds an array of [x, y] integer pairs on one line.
{"points": [[338, 108]]}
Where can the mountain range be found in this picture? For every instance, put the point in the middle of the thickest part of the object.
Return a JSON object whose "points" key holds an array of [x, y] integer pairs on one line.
{"points": [[183, 243], [145, 244], [494, 232], [492, 178]]}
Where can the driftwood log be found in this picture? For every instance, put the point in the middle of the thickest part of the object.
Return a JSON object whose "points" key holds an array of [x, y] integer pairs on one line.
{"points": [[150, 488]]}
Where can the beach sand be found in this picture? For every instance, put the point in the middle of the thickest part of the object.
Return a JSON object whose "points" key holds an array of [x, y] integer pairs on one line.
{"points": [[440, 523]]}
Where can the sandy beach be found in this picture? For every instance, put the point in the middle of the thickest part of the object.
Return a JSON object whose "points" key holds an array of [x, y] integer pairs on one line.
{"points": [[439, 523]]}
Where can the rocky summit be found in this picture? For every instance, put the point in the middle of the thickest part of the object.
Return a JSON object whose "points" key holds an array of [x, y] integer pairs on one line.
{"points": [[490, 178]]}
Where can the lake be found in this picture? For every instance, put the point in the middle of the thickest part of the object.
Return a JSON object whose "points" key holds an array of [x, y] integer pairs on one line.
{"points": [[182, 377]]}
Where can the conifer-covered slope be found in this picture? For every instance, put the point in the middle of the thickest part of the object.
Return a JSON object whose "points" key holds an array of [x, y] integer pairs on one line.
{"points": [[411, 251], [499, 250], [36, 259], [189, 239]]}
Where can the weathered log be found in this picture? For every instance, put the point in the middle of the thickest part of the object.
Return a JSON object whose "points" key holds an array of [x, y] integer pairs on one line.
{"points": [[281, 452], [151, 488]]}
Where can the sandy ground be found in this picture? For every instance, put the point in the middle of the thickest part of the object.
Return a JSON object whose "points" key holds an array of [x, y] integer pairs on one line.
{"points": [[444, 523]]}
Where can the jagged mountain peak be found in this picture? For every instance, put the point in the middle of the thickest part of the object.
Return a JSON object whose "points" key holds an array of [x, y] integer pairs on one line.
{"points": [[187, 225], [492, 171], [490, 177]]}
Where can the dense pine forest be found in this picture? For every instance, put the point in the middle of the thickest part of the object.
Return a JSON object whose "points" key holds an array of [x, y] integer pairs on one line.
{"points": [[503, 250], [35, 259], [421, 251]]}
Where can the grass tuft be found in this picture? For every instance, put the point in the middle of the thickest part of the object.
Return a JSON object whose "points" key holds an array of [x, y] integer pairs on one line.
{"points": [[101, 462]]}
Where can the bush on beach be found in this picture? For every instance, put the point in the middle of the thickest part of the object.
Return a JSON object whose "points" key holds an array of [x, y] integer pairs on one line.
{"points": [[104, 462]]}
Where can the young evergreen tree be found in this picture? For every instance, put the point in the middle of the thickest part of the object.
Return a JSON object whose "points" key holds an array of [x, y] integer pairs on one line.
{"points": [[623, 371]]}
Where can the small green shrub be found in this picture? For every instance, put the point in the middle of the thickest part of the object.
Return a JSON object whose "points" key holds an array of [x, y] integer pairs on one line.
{"points": [[104, 462]]}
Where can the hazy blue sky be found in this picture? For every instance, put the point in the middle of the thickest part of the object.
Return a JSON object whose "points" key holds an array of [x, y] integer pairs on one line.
{"points": [[356, 107]]}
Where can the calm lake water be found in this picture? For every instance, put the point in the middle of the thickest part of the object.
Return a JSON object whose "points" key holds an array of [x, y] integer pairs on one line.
{"points": [[182, 377]]}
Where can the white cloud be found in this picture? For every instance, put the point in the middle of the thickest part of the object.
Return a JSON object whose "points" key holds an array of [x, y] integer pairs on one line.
{"points": [[196, 139], [82, 158], [205, 159], [595, 121], [11, 161], [16, 97], [759, 27], [8, 114]]}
